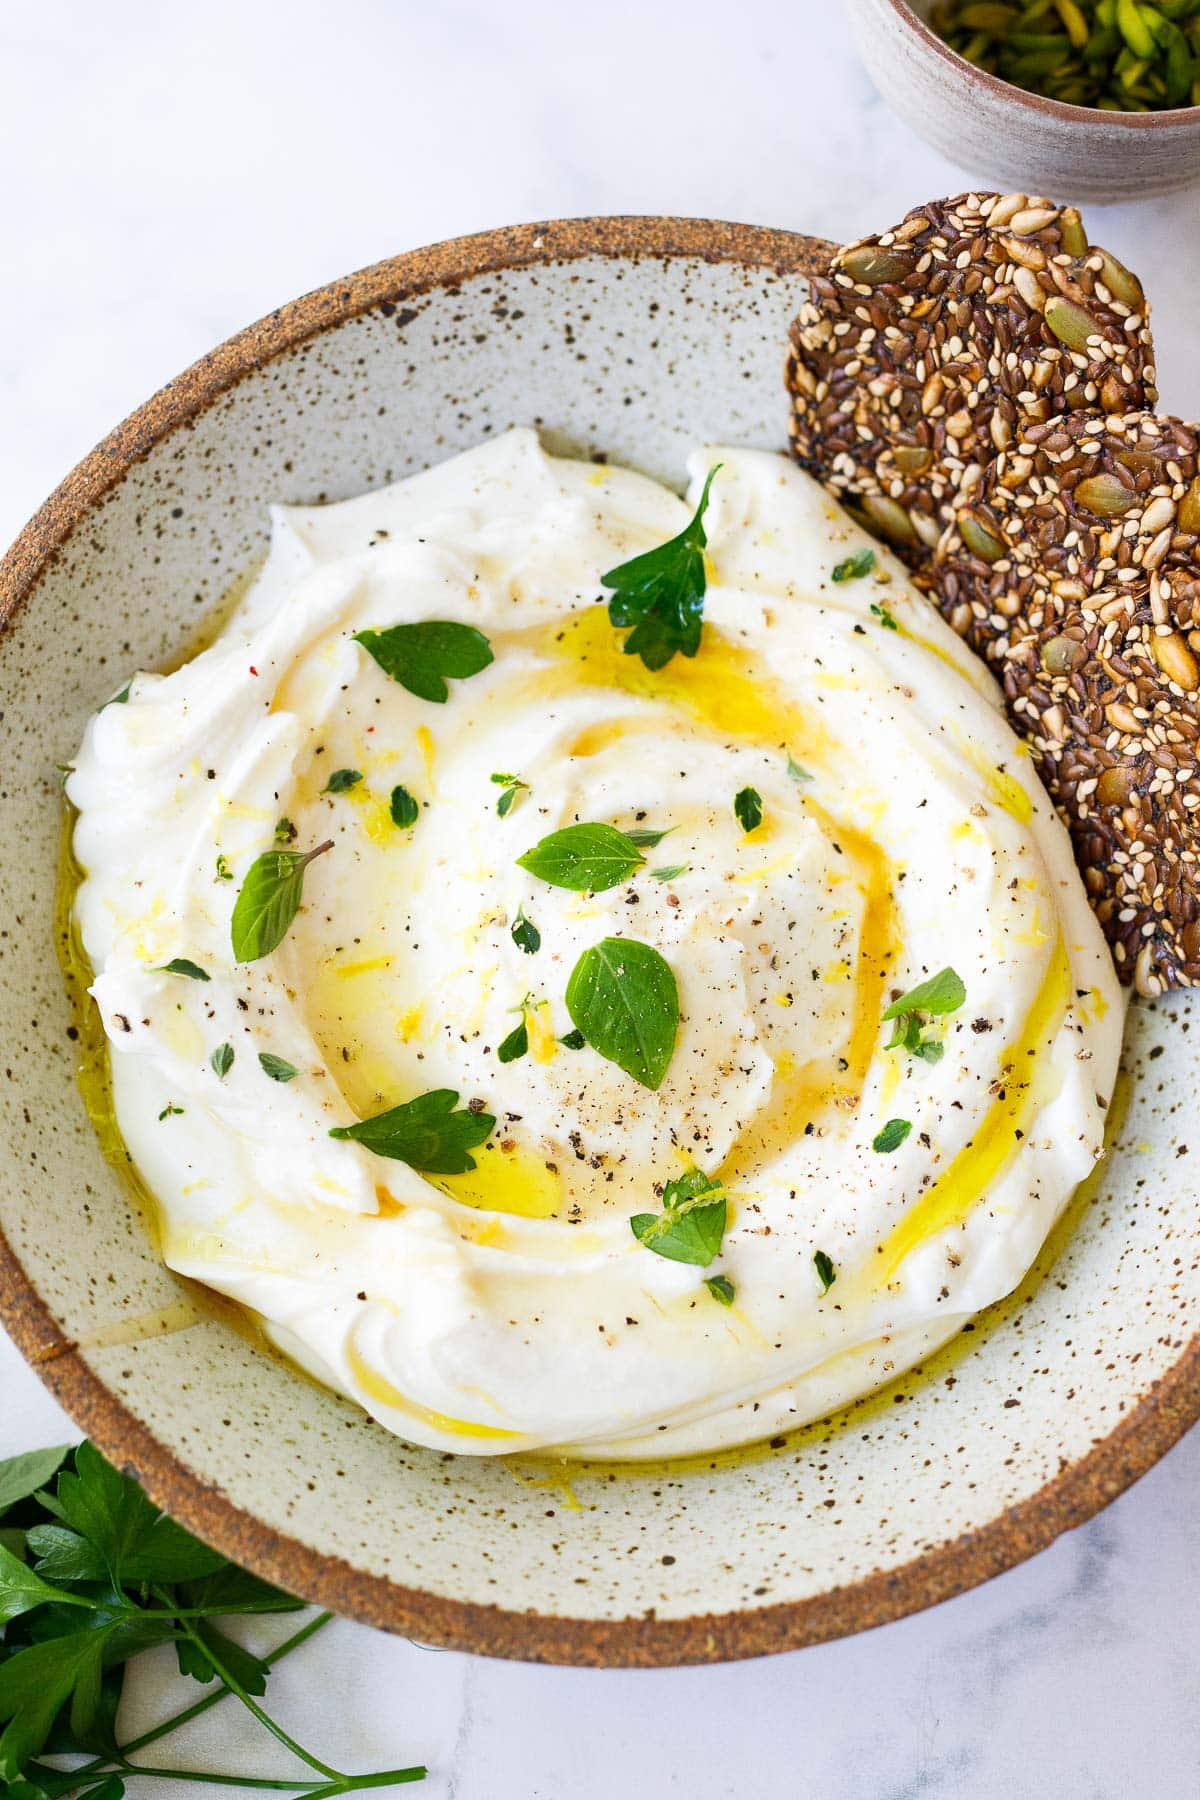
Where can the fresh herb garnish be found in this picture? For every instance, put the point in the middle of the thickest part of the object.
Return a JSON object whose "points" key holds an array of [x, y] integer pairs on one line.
{"points": [[180, 965], [747, 807], [661, 593], [170, 1111], [646, 839], [943, 993], [342, 780], [276, 1067], [622, 996], [221, 1060], [405, 810], [891, 1136], [574, 1040], [691, 1224], [224, 872], [669, 872], [91, 1575], [120, 699], [884, 616], [525, 934], [421, 657], [426, 1133], [285, 832], [584, 858], [269, 900], [516, 1044], [513, 787], [852, 568], [823, 1264], [796, 770], [721, 1289]]}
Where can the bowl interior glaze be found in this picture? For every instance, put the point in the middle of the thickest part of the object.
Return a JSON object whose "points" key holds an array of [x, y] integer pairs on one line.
{"points": [[633, 339]]}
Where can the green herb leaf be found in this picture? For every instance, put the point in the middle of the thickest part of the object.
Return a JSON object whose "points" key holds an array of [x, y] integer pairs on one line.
{"points": [[62, 1555], [224, 872], [179, 965], [342, 780], [796, 770], [426, 1133], [195, 1659], [421, 657], [525, 934], [269, 900], [513, 787], [826, 1273], [405, 810], [721, 1289], [622, 996], [669, 872], [574, 1040], [854, 567], [276, 1067], [21, 1589], [119, 699], [891, 1136], [661, 593], [692, 1223], [942, 993], [515, 1044], [221, 1060], [647, 839], [584, 858], [23, 1475], [747, 807], [170, 1111], [885, 618], [285, 832]]}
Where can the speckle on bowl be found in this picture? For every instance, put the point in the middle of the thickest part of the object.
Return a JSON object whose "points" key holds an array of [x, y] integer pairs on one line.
{"points": [[634, 338]]}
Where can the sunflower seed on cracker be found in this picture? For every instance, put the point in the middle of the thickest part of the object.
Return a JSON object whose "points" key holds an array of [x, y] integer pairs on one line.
{"points": [[924, 351], [1074, 569]]}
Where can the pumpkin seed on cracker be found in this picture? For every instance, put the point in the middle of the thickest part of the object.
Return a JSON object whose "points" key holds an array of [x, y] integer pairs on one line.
{"points": [[1074, 568], [924, 351]]}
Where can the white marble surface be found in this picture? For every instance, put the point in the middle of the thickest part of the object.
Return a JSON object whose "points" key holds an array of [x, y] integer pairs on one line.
{"points": [[169, 173]]}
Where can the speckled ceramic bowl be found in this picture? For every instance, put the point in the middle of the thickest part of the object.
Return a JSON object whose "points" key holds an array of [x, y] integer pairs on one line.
{"points": [[633, 338], [1015, 139]]}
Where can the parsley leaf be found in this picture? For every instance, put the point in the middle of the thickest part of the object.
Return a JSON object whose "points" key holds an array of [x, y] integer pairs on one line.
{"points": [[276, 1067], [513, 787], [747, 807], [852, 568], [661, 593], [405, 810], [584, 858], [525, 934], [622, 996], [426, 1133], [221, 1060], [342, 780], [421, 657], [691, 1224], [823, 1264], [23, 1475], [269, 900], [891, 1136], [515, 1044], [179, 965], [721, 1289]]}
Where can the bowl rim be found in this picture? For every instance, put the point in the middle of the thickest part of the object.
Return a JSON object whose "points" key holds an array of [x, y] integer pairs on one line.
{"points": [[1037, 103], [1079, 1490]]}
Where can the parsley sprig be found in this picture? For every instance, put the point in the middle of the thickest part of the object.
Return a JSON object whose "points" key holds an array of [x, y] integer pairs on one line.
{"points": [[661, 593], [91, 1575]]}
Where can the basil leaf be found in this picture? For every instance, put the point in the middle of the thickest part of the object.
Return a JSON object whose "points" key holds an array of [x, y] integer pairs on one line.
{"points": [[276, 1067], [721, 1289], [942, 993], [692, 1223], [584, 858], [426, 1133], [405, 810], [420, 657], [179, 965], [342, 780], [661, 593], [525, 934], [852, 568], [747, 808], [515, 1044], [269, 900], [826, 1273], [622, 996], [221, 1060], [891, 1136]]}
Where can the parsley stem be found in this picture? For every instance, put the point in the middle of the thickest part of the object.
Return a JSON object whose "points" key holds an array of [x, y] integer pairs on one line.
{"points": [[127, 1769], [252, 1706]]}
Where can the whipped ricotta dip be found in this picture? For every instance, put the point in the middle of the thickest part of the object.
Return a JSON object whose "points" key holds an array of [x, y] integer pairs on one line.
{"points": [[882, 1180]]}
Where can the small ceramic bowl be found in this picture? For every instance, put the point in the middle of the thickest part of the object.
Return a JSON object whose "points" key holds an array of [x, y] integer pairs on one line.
{"points": [[1011, 138], [633, 339]]}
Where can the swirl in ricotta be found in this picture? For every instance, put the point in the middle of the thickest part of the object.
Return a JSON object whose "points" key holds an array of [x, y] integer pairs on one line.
{"points": [[512, 1307]]}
